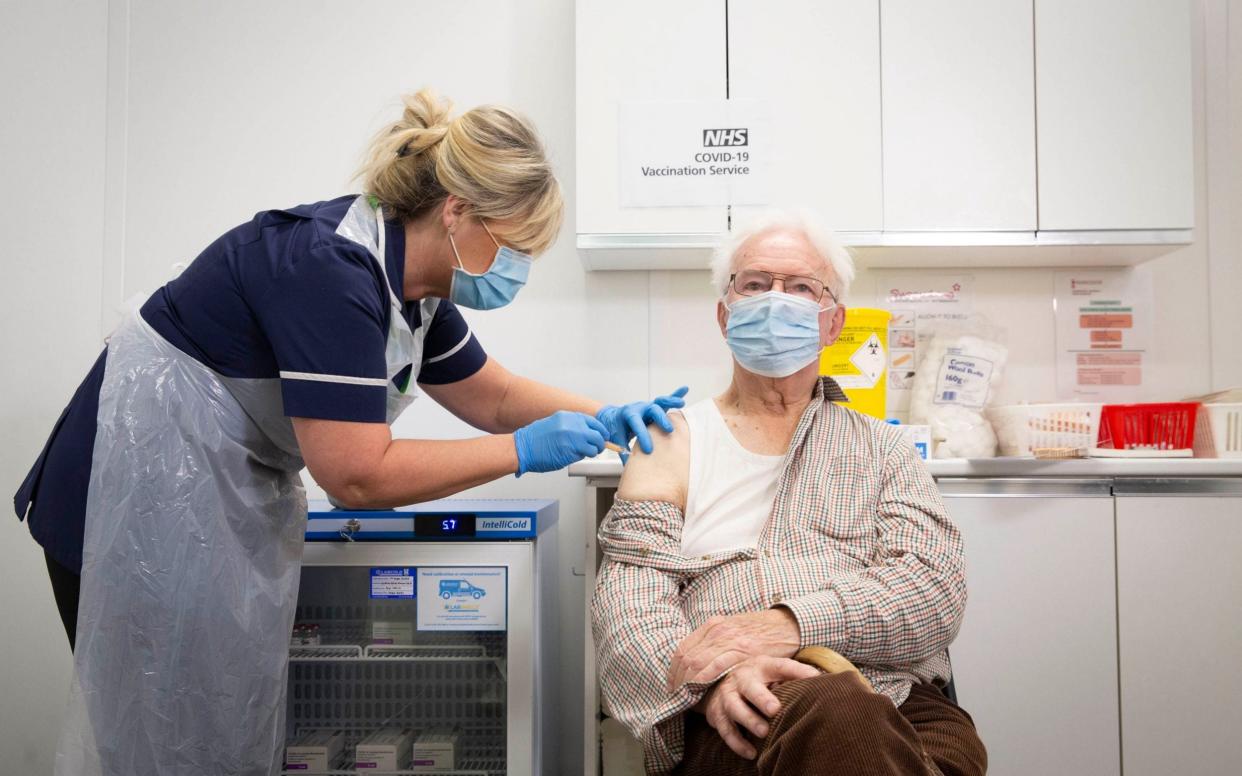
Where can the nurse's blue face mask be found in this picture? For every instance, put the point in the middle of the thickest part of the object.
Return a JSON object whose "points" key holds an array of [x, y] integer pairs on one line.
{"points": [[495, 288], [775, 333]]}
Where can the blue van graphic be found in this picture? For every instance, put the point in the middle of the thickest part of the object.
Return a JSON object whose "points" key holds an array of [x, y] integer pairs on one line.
{"points": [[460, 588]]}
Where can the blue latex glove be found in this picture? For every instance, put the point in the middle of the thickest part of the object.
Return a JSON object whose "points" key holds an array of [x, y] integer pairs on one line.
{"points": [[629, 421], [557, 441]]}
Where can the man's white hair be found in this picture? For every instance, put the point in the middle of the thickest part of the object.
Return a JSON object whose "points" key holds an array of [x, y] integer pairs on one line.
{"points": [[834, 255]]}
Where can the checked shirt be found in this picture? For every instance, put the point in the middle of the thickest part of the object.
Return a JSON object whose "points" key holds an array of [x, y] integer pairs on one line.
{"points": [[859, 547]]}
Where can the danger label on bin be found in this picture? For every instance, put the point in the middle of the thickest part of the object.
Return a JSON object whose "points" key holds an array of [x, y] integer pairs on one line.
{"points": [[869, 361]]}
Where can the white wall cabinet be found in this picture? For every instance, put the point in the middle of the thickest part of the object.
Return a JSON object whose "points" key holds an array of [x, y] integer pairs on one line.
{"points": [[959, 115], [959, 133], [641, 50], [822, 73], [1115, 130], [1035, 663], [1179, 583]]}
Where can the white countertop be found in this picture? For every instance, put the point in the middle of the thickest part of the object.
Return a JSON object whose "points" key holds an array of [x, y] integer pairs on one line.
{"points": [[608, 466]]}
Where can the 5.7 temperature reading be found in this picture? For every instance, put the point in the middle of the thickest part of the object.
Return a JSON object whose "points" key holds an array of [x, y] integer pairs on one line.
{"points": [[432, 525]]}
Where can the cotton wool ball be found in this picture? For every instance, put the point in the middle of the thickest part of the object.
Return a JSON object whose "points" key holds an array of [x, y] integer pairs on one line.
{"points": [[960, 432]]}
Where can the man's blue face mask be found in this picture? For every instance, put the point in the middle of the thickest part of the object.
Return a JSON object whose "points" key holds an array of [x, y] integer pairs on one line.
{"points": [[774, 334], [495, 288]]}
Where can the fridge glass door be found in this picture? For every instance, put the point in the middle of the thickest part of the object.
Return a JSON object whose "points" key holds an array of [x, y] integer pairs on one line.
{"points": [[363, 664]]}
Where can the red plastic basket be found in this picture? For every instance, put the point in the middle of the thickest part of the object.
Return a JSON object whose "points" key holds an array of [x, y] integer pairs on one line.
{"points": [[1169, 426]]}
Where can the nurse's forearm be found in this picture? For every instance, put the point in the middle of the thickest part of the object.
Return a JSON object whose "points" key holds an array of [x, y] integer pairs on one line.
{"points": [[362, 466], [414, 470], [527, 400]]}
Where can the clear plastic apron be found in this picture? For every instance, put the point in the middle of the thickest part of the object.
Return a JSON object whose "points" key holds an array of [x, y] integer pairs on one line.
{"points": [[195, 519]]}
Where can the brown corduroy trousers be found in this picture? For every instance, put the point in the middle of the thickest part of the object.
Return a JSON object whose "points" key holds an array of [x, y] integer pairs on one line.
{"points": [[833, 724]]}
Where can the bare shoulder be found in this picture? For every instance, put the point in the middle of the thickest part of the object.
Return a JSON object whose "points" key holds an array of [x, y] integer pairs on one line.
{"points": [[664, 474]]}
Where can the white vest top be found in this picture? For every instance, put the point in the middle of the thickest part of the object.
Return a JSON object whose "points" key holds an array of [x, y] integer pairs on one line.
{"points": [[731, 489]]}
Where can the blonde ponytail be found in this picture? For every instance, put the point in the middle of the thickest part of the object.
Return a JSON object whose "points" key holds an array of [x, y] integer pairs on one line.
{"points": [[489, 156]]}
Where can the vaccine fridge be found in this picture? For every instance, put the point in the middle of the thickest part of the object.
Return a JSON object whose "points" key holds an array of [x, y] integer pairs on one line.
{"points": [[424, 641]]}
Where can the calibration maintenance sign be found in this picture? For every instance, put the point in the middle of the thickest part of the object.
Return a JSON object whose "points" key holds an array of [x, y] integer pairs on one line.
{"points": [[460, 598], [701, 152]]}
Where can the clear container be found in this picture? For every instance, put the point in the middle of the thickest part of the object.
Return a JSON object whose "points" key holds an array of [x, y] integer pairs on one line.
{"points": [[1218, 431]]}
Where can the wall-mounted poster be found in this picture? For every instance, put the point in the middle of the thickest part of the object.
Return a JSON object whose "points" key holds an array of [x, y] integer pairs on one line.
{"points": [[1103, 334]]}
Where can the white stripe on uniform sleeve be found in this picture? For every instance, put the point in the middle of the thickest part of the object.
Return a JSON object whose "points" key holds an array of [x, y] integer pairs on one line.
{"points": [[453, 349], [344, 379]]}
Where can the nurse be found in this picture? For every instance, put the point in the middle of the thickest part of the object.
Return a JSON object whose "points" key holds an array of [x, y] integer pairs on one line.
{"points": [[168, 496]]}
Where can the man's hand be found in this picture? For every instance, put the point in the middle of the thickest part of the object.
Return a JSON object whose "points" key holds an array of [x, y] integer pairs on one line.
{"points": [[734, 699], [723, 642]]}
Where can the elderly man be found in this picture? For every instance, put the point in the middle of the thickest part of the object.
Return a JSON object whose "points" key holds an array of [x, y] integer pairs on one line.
{"points": [[774, 521]]}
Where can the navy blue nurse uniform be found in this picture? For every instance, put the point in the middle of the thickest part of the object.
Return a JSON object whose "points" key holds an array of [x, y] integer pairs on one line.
{"points": [[282, 297]]}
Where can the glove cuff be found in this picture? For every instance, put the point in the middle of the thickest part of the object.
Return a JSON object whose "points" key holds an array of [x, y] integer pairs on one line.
{"points": [[519, 445]]}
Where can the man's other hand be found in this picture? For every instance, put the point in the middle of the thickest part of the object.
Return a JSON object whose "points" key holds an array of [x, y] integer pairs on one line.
{"points": [[744, 698]]}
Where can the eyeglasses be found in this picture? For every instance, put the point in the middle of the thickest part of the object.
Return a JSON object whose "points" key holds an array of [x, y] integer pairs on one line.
{"points": [[752, 282]]}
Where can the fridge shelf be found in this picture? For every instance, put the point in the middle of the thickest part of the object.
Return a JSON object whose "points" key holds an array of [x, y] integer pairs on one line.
{"points": [[481, 755], [394, 653], [474, 768], [325, 652], [469, 766], [425, 651]]}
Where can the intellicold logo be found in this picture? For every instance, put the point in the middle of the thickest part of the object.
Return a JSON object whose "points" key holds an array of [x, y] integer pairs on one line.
{"points": [[717, 138]]}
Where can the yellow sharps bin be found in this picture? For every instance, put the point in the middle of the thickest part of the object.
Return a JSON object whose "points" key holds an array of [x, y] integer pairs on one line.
{"points": [[858, 360]]}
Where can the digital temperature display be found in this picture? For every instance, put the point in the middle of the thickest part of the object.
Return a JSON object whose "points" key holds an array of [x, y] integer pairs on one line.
{"points": [[444, 525]]}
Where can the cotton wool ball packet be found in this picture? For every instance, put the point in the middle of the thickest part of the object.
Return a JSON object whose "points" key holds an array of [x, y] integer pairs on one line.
{"points": [[956, 379]]}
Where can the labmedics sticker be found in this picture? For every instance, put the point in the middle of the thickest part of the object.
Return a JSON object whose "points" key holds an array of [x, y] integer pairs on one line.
{"points": [[392, 582], [456, 598]]}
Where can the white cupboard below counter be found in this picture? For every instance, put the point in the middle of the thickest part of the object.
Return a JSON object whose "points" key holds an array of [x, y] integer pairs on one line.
{"points": [[1035, 663], [1179, 614]]}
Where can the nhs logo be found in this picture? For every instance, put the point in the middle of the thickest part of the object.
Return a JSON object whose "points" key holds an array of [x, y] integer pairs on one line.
{"points": [[716, 138], [503, 524]]}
